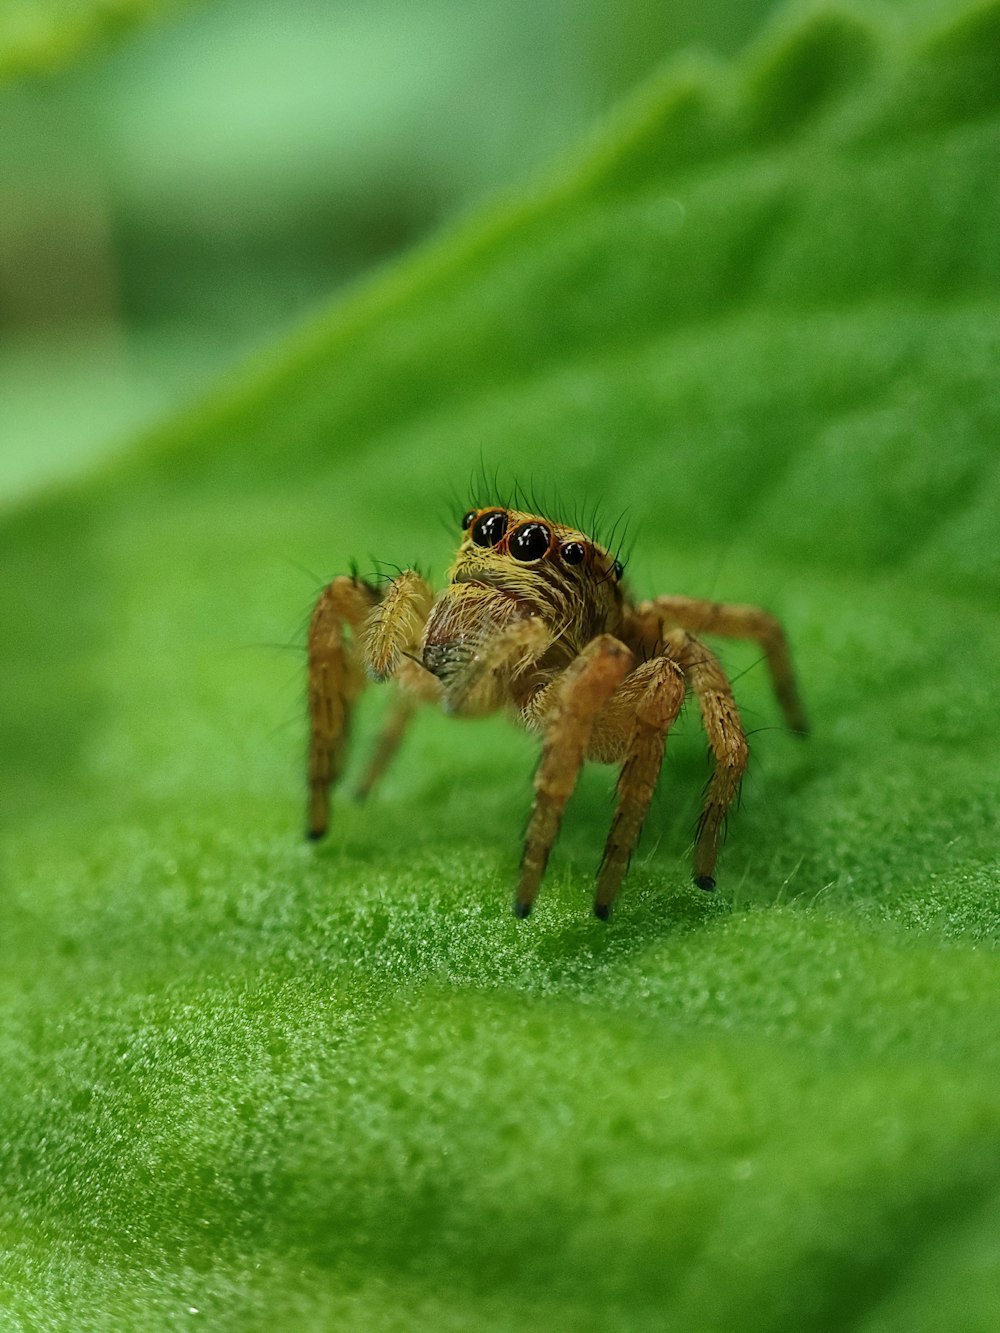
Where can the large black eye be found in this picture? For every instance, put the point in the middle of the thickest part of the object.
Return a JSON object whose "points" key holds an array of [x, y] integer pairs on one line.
{"points": [[530, 541], [573, 553], [618, 569], [490, 528], [467, 518]]}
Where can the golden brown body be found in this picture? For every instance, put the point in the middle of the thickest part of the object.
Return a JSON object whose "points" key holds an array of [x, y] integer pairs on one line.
{"points": [[534, 619]]}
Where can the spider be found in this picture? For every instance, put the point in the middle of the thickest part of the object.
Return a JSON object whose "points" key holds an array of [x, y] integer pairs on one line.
{"points": [[535, 619]]}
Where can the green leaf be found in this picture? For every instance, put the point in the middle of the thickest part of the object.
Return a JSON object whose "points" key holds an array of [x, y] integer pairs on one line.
{"points": [[344, 1087]]}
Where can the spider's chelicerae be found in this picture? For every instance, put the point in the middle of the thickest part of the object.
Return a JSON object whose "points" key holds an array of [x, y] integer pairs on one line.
{"points": [[535, 620]]}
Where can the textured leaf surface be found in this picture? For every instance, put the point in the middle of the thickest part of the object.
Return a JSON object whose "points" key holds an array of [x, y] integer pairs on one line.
{"points": [[346, 1088]]}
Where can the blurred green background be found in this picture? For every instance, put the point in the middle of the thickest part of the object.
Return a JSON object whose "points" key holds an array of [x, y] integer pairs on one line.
{"points": [[174, 193]]}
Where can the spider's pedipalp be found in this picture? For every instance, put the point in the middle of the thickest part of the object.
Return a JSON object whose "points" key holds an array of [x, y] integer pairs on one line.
{"points": [[489, 674], [395, 623]]}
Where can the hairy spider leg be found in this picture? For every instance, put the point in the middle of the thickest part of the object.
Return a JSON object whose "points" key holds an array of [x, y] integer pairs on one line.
{"points": [[397, 720], [734, 621], [640, 713], [565, 710], [724, 730], [335, 681]]}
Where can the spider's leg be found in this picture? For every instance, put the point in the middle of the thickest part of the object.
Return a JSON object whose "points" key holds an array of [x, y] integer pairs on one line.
{"points": [[394, 727], [565, 711], [724, 730], [335, 681], [736, 622], [640, 713]]}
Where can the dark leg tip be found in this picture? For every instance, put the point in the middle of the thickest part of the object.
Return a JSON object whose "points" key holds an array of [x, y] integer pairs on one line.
{"points": [[314, 834], [522, 910], [705, 882], [602, 911]]}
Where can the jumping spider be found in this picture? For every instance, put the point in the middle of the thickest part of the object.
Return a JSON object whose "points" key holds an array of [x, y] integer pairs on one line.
{"points": [[535, 619]]}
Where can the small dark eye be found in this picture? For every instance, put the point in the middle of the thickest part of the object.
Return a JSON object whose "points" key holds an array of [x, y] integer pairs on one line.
{"points": [[530, 541], [618, 569], [467, 519], [490, 528], [573, 553]]}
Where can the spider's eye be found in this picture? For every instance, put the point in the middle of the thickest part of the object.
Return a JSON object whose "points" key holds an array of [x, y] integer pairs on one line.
{"points": [[573, 553], [618, 569], [467, 519], [530, 541], [490, 528]]}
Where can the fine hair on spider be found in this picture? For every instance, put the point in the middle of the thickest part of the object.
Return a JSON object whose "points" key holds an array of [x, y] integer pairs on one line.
{"points": [[535, 619]]}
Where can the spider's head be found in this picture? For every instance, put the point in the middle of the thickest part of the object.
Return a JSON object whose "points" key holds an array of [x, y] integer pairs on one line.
{"points": [[513, 564]]}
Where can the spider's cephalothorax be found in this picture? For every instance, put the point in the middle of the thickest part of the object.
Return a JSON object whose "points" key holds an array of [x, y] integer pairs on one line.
{"points": [[534, 619]]}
